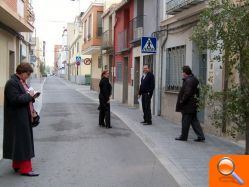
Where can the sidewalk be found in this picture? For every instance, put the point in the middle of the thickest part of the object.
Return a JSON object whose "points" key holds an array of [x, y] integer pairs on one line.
{"points": [[187, 161]]}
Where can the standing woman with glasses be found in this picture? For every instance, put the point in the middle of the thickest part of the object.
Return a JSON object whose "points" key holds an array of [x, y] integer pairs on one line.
{"points": [[18, 143], [104, 100]]}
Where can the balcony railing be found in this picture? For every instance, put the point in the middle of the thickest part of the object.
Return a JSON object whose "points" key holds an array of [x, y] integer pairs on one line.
{"points": [[136, 28], [176, 6], [29, 13], [123, 41], [107, 39]]}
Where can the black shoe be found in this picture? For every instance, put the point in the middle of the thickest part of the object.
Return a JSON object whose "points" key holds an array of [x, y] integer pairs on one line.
{"points": [[109, 127], [30, 174], [143, 122], [102, 125], [199, 140], [16, 170], [148, 123], [181, 139]]}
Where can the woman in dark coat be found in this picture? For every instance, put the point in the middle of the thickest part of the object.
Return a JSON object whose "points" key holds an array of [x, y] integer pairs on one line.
{"points": [[104, 100], [18, 144]]}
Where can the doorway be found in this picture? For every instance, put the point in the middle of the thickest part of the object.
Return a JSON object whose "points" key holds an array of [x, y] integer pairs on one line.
{"points": [[148, 60], [11, 63], [125, 81], [136, 79]]}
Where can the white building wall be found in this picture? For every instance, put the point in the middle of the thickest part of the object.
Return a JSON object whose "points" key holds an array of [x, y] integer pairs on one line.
{"points": [[118, 87]]}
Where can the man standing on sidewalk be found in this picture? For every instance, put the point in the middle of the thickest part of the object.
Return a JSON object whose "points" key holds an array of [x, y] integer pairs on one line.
{"points": [[146, 91], [187, 105]]}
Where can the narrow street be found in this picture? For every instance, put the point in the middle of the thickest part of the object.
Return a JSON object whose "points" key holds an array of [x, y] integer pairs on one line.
{"points": [[72, 150]]}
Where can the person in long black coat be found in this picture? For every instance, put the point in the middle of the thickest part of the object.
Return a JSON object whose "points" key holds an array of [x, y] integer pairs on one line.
{"points": [[18, 144], [104, 100], [187, 105]]}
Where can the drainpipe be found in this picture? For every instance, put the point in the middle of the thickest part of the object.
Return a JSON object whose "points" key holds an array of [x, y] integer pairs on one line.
{"points": [[114, 62], [161, 74], [157, 70]]}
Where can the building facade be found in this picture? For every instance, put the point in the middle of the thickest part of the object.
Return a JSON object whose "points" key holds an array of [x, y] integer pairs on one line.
{"points": [[107, 48], [57, 54], [77, 73], [16, 21], [36, 56], [92, 41], [177, 49], [123, 51]]}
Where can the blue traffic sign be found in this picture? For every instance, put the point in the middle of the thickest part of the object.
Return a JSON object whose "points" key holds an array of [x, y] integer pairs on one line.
{"points": [[78, 60], [148, 45]]}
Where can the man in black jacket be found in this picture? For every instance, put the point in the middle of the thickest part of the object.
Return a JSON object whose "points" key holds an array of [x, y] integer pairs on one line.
{"points": [[104, 100], [146, 91], [187, 105]]}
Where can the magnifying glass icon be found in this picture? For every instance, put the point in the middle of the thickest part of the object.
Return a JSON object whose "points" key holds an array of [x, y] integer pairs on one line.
{"points": [[226, 167]]}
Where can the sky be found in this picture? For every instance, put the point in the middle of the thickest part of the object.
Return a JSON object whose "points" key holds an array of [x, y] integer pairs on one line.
{"points": [[51, 16]]}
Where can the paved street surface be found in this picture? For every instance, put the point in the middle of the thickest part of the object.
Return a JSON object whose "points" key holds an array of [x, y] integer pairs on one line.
{"points": [[71, 150], [187, 161]]}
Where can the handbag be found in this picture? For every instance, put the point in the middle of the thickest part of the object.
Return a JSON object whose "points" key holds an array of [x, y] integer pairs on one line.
{"points": [[35, 119]]}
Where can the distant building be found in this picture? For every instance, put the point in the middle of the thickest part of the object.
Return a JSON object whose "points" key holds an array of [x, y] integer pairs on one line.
{"points": [[57, 53], [78, 73], [92, 40], [107, 47]]}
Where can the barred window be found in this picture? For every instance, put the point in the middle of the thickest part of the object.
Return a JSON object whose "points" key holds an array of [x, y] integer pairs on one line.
{"points": [[119, 71], [176, 59]]}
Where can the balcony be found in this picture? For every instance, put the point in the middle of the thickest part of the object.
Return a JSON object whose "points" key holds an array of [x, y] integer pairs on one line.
{"points": [[107, 40], [136, 28], [123, 41], [20, 19], [175, 6], [29, 13]]}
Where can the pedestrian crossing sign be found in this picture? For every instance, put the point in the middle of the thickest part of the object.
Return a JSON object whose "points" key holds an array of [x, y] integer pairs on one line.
{"points": [[148, 45]]}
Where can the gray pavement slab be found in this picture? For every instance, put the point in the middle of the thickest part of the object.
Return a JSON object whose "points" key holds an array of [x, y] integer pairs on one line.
{"points": [[71, 150], [187, 161]]}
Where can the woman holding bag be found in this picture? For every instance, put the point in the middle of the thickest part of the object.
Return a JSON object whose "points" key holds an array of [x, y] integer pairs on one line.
{"points": [[18, 143]]}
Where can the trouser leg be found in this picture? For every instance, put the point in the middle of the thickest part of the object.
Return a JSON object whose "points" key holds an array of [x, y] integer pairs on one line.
{"points": [[186, 120], [23, 166], [197, 127], [101, 117], [107, 115], [148, 108], [144, 106], [101, 113]]}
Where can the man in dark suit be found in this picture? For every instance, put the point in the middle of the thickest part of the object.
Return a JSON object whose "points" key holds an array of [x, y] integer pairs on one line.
{"points": [[187, 105], [146, 91]]}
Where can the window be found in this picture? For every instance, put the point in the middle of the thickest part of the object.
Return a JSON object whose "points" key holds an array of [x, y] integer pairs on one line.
{"points": [[119, 71], [99, 24], [20, 8], [89, 27], [99, 62], [176, 58]]}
